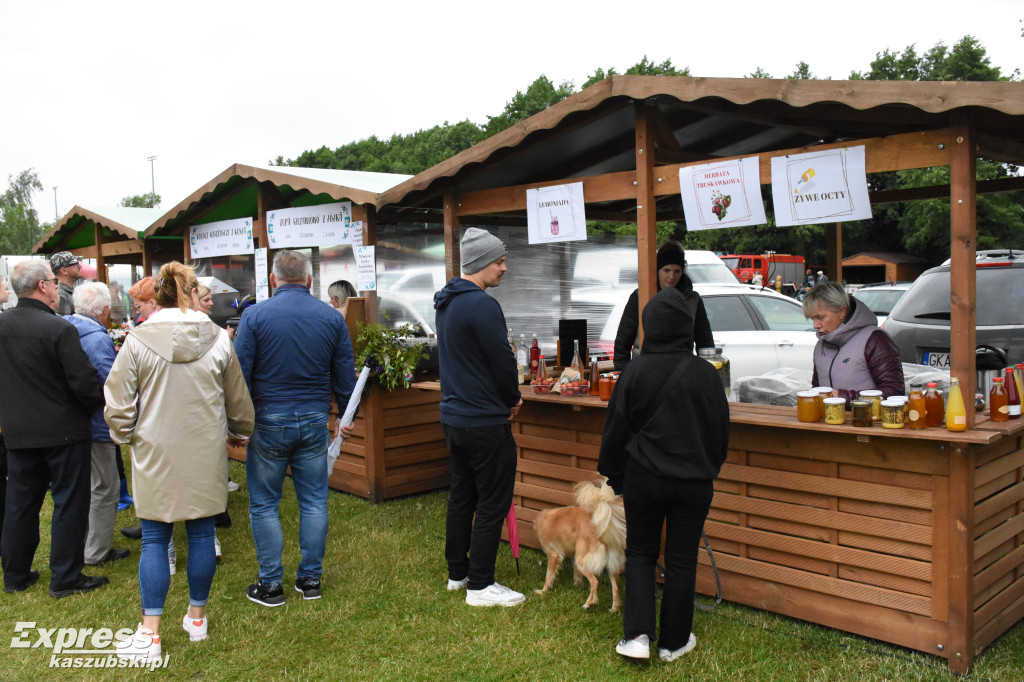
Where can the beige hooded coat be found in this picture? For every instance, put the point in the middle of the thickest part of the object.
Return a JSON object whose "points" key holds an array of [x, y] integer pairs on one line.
{"points": [[174, 393]]}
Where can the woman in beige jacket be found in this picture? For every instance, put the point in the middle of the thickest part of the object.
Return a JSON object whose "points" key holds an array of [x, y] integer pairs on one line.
{"points": [[176, 394]]}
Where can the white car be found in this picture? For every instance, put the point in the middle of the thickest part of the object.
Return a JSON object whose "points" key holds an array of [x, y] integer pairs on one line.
{"points": [[882, 298], [757, 329]]}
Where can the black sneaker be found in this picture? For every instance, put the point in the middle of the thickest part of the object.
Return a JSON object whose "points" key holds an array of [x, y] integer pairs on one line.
{"points": [[132, 532], [33, 578], [309, 587], [85, 583], [267, 595], [113, 555]]}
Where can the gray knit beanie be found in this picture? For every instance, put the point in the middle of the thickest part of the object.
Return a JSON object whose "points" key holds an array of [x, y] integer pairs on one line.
{"points": [[479, 249]]}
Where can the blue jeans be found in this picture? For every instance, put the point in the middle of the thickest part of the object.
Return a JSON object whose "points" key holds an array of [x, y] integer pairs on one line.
{"points": [[280, 441], [155, 574]]}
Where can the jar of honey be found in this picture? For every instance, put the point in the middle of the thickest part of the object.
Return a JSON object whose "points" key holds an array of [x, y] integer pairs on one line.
{"points": [[807, 406], [916, 408], [835, 411], [893, 413], [875, 397], [861, 411], [823, 392]]}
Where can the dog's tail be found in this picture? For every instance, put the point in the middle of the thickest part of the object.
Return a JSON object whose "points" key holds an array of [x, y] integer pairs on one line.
{"points": [[606, 512]]}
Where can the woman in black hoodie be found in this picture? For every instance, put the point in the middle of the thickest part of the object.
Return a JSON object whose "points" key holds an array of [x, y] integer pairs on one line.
{"points": [[666, 436], [671, 273]]}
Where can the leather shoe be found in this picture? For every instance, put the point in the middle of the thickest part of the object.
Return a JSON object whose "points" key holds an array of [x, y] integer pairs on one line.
{"points": [[85, 583], [33, 578], [133, 532], [113, 555]]}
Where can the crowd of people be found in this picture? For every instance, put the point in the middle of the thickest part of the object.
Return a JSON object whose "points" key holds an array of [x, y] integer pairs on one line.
{"points": [[181, 389]]}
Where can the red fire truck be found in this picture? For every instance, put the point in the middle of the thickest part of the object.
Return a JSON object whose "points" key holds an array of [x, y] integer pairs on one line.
{"points": [[770, 265]]}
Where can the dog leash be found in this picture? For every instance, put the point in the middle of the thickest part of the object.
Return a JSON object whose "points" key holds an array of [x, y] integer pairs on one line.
{"points": [[718, 580]]}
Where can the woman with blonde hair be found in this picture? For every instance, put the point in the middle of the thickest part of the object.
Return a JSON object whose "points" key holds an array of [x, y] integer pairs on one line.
{"points": [[177, 369]]}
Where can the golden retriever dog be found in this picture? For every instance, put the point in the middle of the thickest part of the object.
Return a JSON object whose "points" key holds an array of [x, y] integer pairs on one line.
{"points": [[593, 532]]}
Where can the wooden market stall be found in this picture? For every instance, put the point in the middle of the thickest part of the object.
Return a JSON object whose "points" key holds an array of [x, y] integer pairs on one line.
{"points": [[395, 450], [912, 538], [865, 267], [109, 234]]}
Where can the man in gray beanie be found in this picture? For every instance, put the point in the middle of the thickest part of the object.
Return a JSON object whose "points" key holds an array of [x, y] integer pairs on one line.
{"points": [[479, 397]]}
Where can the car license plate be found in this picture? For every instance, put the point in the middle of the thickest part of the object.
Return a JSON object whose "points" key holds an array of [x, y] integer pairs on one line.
{"points": [[938, 360]]}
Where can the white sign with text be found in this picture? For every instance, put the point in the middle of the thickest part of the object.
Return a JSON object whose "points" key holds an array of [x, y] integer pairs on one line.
{"points": [[556, 214], [830, 186], [323, 225], [222, 238], [722, 194], [366, 267]]}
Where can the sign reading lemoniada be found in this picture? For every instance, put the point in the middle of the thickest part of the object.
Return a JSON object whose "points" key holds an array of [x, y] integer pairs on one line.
{"points": [[826, 186], [323, 225], [722, 194], [222, 238], [556, 214]]}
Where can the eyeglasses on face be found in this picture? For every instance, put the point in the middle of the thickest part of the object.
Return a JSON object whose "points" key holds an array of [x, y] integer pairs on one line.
{"points": [[52, 280]]}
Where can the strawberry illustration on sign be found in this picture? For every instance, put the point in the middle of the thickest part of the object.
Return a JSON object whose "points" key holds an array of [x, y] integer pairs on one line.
{"points": [[720, 204]]}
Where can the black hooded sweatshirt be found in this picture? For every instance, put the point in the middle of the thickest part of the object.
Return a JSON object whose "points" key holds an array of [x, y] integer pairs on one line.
{"points": [[679, 430]]}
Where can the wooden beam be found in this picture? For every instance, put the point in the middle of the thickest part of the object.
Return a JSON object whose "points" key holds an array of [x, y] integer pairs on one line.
{"points": [[646, 218], [101, 266], [452, 257], [368, 214], [1014, 184], [834, 251], [147, 257], [896, 152], [962, 271], [1000, 149]]}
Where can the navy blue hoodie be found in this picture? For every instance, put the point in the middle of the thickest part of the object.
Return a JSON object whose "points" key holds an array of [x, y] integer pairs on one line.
{"points": [[479, 379]]}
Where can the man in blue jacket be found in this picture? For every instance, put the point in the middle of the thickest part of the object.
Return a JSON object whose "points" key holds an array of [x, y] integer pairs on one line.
{"points": [[294, 351], [92, 310], [479, 397]]}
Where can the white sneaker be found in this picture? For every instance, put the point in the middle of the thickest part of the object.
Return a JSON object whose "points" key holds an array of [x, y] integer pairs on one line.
{"points": [[638, 647], [454, 585], [494, 595], [667, 655], [143, 644], [173, 563], [232, 486], [195, 627], [216, 547]]}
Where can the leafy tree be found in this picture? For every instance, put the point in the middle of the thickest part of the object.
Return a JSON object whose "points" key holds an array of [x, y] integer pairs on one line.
{"points": [[140, 201], [19, 223], [801, 72], [759, 73], [541, 94]]}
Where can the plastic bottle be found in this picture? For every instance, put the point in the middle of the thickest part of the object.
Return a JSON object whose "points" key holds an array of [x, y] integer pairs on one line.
{"points": [[956, 413], [934, 405], [1012, 394], [534, 357], [998, 407], [916, 408]]}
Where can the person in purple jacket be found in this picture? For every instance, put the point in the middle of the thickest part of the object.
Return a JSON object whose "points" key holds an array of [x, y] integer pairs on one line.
{"points": [[479, 397], [852, 354]]}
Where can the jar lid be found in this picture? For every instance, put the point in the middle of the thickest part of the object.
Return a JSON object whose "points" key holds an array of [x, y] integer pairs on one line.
{"points": [[824, 389], [892, 402], [807, 394], [902, 399], [997, 380], [835, 401], [705, 351], [871, 393], [933, 384]]}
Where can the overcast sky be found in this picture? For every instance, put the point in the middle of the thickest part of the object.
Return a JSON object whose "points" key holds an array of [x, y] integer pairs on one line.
{"points": [[91, 89]]}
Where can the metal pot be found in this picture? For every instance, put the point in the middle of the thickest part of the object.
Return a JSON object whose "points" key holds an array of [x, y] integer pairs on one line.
{"points": [[991, 362]]}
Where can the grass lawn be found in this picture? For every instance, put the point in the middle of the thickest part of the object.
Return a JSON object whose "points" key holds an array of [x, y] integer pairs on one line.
{"points": [[386, 615]]}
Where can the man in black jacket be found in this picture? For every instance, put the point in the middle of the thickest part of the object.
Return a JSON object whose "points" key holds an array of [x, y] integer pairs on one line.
{"points": [[666, 436], [50, 390]]}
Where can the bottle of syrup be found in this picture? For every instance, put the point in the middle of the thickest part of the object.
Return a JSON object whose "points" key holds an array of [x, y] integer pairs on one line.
{"points": [[956, 412], [595, 377], [998, 406], [1012, 393], [934, 405]]}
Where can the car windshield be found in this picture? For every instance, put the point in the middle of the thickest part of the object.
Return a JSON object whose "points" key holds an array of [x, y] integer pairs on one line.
{"points": [[927, 302], [710, 273], [780, 315], [731, 263], [880, 301]]}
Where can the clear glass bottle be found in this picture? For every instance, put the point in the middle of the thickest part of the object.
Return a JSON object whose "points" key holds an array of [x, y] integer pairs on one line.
{"points": [[523, 358], [956, 412], [542, 367], [916, 408], [1012, 394], [935, 406], [577, 360], [595, 377]]}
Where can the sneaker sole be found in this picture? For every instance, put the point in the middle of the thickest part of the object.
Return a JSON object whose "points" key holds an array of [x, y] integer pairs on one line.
{"points": [[475, 602], [306, 596], [640, 656], [265, 603]]}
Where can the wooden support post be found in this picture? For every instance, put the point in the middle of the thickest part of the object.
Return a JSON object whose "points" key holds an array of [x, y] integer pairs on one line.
{"points": [[834, 252], [962, 270], [101, 269], [368, 214], [186, 245], [646, 216], [147, 258], [960, 645], [452, 256]]}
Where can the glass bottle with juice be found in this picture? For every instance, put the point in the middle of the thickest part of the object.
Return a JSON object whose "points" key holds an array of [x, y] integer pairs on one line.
{"points": [[1012, 393], [998, 406], [534, 357], [956, 412], [916, 408], [934, 405]]}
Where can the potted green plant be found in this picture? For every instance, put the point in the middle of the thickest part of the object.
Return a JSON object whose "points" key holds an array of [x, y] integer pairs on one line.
{"points": [[391, 354]]}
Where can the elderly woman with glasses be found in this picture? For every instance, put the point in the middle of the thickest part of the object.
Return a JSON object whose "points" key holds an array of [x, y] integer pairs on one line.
{"points": [[143, 297]]}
